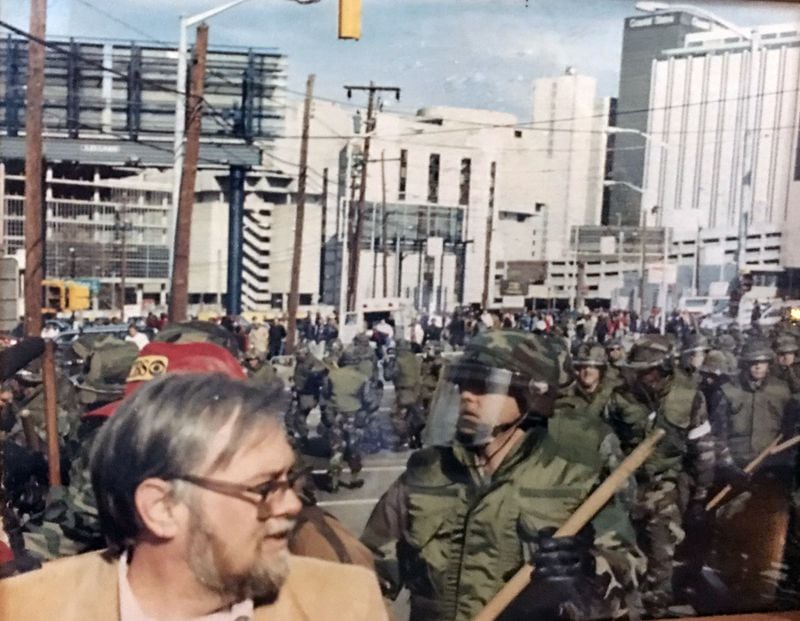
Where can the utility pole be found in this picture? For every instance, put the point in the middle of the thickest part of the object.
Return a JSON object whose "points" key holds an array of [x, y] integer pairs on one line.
{"points": [[384, 242], [323, 239], [487, 255], [34, 199], [642, 274], [297, 252], [355, 240], [180, 269], [123, 226]]}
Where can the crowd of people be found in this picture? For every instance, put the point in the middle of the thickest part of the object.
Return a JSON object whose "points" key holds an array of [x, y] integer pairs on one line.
{"points": [[185, 459]]}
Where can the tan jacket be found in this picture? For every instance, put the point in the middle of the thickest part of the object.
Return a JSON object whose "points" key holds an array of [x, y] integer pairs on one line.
{"points": [[84, 588]]}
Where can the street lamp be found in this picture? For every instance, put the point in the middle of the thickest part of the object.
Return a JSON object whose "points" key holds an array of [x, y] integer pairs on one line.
{"points": [[612, 182], [612, 129], [750, 121], [180, 110]]}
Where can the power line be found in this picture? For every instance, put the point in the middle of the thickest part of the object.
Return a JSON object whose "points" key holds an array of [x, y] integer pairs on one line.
{"points": [[121, 22], [217, 115]]}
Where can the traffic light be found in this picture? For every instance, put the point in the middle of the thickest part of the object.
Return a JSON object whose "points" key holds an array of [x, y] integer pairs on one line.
{"points": [[350, 19], [78, 297]]}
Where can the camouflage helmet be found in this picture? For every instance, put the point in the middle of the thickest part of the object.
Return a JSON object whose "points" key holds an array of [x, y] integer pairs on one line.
{"points": [[757, 349], [402, 345], [348, 359], [361, 339], [590, 355], [198, 332], [651, 351], [613, 344], [335, 347], [525, 354], [717, 363], [786, 344], [695, 342], [726, 342]]}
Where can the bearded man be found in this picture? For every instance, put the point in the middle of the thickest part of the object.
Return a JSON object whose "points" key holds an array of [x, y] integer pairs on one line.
{"points": [[193, 478]]}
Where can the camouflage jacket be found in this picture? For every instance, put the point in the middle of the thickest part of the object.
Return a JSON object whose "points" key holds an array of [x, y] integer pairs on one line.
{"points": [[452, 536], [680, 410]]}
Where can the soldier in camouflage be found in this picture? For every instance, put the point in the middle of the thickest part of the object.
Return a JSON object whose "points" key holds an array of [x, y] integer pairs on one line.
{"points": [[260, 371], [469, 511], [333, 351], [344, 420], [616, 358], [430, 370], [579, 422], [309, 374], [406, 418], [787, 367], [716, 375], [658, 397], [693, 352], [361, 355], [759, 408]]}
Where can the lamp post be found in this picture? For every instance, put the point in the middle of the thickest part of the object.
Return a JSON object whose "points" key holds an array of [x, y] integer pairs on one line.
{"points": [[180, 109], [750, 109]]}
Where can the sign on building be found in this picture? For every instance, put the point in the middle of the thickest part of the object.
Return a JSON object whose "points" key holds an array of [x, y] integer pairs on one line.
{"points": [[656, 274], [434, 247], [608, 244]]}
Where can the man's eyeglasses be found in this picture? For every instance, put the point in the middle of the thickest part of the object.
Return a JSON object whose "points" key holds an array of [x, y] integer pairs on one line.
{"points": [[265, 491]]}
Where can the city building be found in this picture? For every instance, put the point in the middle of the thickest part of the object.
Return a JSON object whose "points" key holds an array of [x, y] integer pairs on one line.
{"points": [[728, 174], [108, 146], [644, 38]]}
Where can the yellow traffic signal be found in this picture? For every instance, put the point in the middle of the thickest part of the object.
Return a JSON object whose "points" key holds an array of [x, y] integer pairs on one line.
{"points": [[78, 297], [349, 19]]}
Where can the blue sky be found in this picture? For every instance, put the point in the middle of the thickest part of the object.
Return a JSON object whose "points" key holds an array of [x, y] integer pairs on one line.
{"points": [[472, 53]]}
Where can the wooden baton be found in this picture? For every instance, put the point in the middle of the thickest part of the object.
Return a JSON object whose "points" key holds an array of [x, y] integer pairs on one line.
{"points": [[29, 429], [785, 445], [582, 516], [748, 469]]}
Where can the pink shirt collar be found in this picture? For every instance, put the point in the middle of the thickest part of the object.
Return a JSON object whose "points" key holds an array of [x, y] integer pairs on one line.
{"points": [[129, 609]]}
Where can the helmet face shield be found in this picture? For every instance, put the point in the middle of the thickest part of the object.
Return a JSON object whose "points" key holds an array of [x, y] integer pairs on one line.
{"points": [[482, 380], [470, 402]]}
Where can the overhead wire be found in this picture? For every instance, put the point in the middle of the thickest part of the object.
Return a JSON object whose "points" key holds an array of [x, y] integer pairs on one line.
{"points": [[218, 115]]}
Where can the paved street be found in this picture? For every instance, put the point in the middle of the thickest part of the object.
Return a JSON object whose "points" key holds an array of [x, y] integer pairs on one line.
{"points": [[353, 507]]}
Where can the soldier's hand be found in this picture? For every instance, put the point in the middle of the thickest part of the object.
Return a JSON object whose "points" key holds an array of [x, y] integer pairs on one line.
{"points": [[564, 557], [734, 476], [694, 519], [563, 584]]}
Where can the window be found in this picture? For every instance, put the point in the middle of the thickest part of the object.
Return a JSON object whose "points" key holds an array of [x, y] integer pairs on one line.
{"points": [[433, 178], [403, 177], [463, 186]]}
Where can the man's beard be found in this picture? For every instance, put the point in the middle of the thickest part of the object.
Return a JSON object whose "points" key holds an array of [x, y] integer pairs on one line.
{"points": [[210, 563]]}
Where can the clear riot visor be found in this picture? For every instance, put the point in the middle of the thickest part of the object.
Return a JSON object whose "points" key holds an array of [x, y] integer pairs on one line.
{"points": [[454, 413]]}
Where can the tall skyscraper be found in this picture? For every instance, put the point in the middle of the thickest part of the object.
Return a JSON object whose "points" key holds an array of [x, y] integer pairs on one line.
{"points": [[644, 38]]}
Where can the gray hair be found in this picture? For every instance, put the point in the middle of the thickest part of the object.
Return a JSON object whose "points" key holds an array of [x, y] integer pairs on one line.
{"points": [[163, 431]]}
